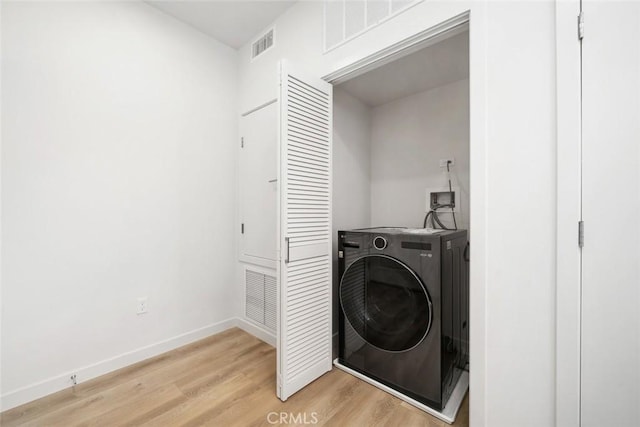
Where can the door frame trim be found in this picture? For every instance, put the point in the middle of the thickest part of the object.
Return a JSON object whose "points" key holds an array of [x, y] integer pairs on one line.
{"points": [[569, 190]]}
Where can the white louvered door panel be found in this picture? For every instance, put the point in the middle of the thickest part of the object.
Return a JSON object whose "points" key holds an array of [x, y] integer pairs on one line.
{"points": [[304, 329]]}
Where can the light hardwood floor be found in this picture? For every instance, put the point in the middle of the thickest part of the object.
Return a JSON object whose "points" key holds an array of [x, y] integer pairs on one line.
{"points": [[225, 380]]}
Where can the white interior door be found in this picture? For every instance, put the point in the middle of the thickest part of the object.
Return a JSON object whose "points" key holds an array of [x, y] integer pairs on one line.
{"points": [[258, 185], [304, 329], [610, 353]]}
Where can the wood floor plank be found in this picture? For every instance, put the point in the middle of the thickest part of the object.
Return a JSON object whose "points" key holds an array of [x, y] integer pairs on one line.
{"points": [[237, 408], [200, 405], [227, 380], [207, 375], [93, 405], [137, 410], [314, 399], [361, 410]]}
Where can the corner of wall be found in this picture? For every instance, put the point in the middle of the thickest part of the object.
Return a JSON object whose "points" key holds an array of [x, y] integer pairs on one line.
{"points": [[256, 331]]}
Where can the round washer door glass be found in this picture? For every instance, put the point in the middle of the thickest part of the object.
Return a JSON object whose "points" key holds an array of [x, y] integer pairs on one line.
{"points": [[385, 302]]}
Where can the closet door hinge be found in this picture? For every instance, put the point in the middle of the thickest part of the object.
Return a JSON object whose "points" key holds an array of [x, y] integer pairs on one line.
{"points": [[242, 142], [242, 228], [581, 25], [580, 234]]}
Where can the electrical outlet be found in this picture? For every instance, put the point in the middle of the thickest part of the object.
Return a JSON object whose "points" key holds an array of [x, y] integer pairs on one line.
{"points": [[443, 162], [142, 305]]}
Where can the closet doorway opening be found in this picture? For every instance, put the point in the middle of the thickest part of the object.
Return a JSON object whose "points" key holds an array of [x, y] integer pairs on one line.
{"points": [[401, 161]]}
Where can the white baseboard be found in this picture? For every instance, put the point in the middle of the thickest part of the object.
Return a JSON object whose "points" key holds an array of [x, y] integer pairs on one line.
{"points": [[256, 331], [60, 382]]}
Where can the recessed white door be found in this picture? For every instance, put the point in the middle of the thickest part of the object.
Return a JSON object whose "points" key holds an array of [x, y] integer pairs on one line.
{"points": [[304, 270], [610, 330], [259, 186]]}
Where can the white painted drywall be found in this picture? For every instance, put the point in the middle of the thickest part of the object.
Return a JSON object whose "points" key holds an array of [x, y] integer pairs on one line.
{"points": [[118, 157], [438, 64], [351, 194], [351, 162], [521, 214], [408, 138], [231, 22], [513, 182]]}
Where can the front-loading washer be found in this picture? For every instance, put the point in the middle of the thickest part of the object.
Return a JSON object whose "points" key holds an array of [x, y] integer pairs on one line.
{"points": [[403, 304]]}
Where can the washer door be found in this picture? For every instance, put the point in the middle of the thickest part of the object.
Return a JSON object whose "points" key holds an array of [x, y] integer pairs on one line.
{"points": [[385, 302]]}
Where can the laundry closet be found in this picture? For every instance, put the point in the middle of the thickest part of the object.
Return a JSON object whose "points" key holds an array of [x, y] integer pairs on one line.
{"points": [[400, 289], [400, 146]]}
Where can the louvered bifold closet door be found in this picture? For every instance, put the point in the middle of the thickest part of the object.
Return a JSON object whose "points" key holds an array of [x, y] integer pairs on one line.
{"points": [[304, 330]]}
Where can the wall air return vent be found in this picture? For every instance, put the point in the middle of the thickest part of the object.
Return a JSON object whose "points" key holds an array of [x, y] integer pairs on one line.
{"points": [[260, 302], [263, 44]]}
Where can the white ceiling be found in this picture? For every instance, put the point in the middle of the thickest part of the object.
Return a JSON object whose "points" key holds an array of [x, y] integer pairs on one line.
{"points": [[233, 22], [436, 65]]}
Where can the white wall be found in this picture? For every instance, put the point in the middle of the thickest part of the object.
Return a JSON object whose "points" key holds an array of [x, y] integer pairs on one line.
{"points": [[351, 193], [118, 150], [351, 162], [513, 182], [385, 157], [409, 137], [521, 216]]}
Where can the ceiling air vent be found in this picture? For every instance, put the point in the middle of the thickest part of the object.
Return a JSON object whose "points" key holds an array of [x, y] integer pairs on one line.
{"points": [[262, 44]]}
